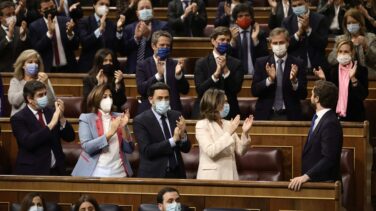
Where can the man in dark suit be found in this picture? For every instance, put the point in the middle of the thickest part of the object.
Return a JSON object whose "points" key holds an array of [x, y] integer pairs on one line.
{"points": [[279, 81], [137, 35], [38, 130], [248, 41], [187, 18], [334, 11], [161, 68], [322, 150], [54, 39], [27, 10], [280, 10], [224, 12], [160, 133], [219, 70], [308, 35], [13, 39], [96, 32], [69, 8]]}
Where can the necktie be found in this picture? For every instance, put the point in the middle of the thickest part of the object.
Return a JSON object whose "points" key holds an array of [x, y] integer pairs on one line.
{"points": [[141, 50], [40, 118], [244, 49], [278, 99], [56, 49], [312, 125], [171, 158]]}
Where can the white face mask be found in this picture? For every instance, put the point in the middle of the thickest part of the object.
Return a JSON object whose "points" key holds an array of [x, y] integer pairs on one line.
{"points": [[11, 19], [173, 207], [35, 208], [344, 59], [162, 106], [279, 50], [101, 10], [106, 105], [145, 14]]}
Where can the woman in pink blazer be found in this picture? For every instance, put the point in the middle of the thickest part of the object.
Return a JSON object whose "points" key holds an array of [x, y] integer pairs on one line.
{"points": [[218, 139]]}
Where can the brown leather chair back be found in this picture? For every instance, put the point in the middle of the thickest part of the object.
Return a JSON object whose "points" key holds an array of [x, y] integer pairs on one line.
{"points": [[261, 164], [191, 160], [187, 103], [247, 106], [307, 110], [72, 152], [72, 105], [131, 104], [348, 178]]}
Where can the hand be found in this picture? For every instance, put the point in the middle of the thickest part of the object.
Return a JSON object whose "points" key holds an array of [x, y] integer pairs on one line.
{"points": [[115, 123], [160, 67], [179, 66], [247, 124], [138, 31], [294, 73], [194, 7], [273, 5], [176, 136], [255, 32], [23, 28], [120, 23], [330, 2], [145, 29], [118, 77], [304, 20], [42, 77], [234, 123], [20, 7], [353, 70], [74, 6], [55, 117], [11, 29], [50, 25], [181, 125], [319, 73], [100, 77], [187, 11], [297, 182], [270, 70], [102, 25], [60, 9], [61, 106], [124, 118], [227, 9], [70, 27], [234, 34], [221, 60]]}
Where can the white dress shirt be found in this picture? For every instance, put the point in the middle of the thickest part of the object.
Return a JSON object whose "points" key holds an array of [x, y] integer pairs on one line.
{"points": [[216, 55], [319, 114], [335, 24], [62, 56]]}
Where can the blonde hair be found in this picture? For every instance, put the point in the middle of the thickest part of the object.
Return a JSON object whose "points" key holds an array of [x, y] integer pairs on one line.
{"points": [[210, 101], [19, 72], [345, 41]]}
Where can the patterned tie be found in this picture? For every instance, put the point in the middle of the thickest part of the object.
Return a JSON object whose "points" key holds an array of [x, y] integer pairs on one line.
{"points": [[244, 49], [167, 134], [141, 50], [278, 99]]}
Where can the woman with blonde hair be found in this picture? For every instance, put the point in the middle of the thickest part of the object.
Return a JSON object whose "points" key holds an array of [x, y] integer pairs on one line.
{"points": [[28, 66], [217, 138]]}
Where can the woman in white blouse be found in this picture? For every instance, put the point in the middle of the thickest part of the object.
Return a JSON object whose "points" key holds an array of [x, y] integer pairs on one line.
{"points": [[28, 66]]}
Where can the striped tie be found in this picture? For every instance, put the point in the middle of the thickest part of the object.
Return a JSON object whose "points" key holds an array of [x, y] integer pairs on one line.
{"points": [[141, 50]]}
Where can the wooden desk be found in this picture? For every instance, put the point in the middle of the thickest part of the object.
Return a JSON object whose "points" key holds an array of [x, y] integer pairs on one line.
{"points": [[289, 137]]}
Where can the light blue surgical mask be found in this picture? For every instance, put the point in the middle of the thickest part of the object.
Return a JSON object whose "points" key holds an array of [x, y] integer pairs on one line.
{"points": [[162, 106], [225, 111], [42, 102], [299, 10], [35, 208], [31, 69], [353, 28], [145, 14], [173, 207]]}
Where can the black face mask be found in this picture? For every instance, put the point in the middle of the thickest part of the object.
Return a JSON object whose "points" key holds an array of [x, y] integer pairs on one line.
{"points": [[108, 70], [51, 12]]}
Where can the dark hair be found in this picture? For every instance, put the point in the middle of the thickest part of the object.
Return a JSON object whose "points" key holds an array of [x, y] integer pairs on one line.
{"points": [[27, 201], [95, 96], [220, 30], [31, 87], [99, 58], [44, 1], [162, 192], [327, 93], [151, 3], [158, 85], [86, 198], [5, 4], [242, 7], [210, 101]]}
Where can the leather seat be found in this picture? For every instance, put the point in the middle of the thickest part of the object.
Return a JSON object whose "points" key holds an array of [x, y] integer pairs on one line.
{"points": [[72, 152], [154, 207], [109, 207], [72, 106], [191, 161], [131, 104], [348, 178], [208, 30], [307, 110], [224, 209], [261, 164], [50, 206], [189, 65], [187, 103], [247, 106]]}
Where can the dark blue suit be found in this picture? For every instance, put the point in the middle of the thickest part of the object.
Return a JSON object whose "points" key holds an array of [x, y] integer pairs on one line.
{"points": [[131, 45], [91, 44], [36, 142], [266, 94], [314, 44], [145, 77], [41, 43], [321, 154]]}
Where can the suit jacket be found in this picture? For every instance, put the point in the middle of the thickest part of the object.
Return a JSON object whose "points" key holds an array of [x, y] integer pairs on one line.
{"points": [[322, 153], [204, 69], [76, 14], [314, 44], [41, 43], [256, 51], [36, 142], [356, 95], [217, 150], [222, 19], [291, 98], [9, 51], [91, 44], [154, 148], [31, 14], [92, 145], [275, 20], [329, 12], [191, 26], [145, 77], [130, 45]]}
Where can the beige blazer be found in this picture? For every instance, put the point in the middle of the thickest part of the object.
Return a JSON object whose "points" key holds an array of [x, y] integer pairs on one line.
{"points": [[217, 150]]}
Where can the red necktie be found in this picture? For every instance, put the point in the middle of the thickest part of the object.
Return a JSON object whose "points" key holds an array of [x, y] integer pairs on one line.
{"points": [[56, 49], [40, 118]]}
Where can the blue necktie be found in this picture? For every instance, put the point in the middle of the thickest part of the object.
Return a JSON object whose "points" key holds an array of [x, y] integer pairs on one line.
{"points": [[171, 159], [311, 129]]}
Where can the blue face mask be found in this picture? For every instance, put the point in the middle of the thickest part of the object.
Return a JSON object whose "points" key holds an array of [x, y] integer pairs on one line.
{"points": [[225, 111], [222, 48], [31, 69], [173, 207], [42, 102], [145, 14], [299, 10], [162, 106], [163, 53], [353, 28]]}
